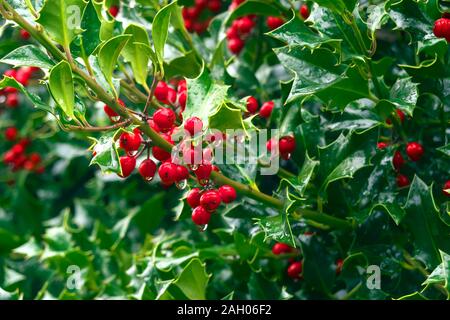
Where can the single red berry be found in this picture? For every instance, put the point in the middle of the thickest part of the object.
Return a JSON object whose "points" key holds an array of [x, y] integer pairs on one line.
{"points": [[382, 145], [189, 25], [442, 28], [161, 91], [232, 33], [18, 149], [164, 118], [210, 200], [182, 97], [295, 269], [235, 45], [193, 12], [252, 105], [114, 116], [25, 142], [304, 11], [397, 160], [182, 85], [160, 154], [446, 188], [192, 156], [130, 141], [287, 145], [153, 125], [272, 145], [200, 216], [266, 109], [227, 193], [168, 172], [208, 155], [24, 34], [127, 164], [29, 165], [339, 265], [114, 11], [203, 172], [147, 169], [182, 173], [35, 158], [402, 181], [280, 248], [11, 133], [171, 96], [274, 22], [245, 25], [9, 157], [193, 198], [193, 125], [23, 76], [414, 150], [214, 5], [12, 100]]}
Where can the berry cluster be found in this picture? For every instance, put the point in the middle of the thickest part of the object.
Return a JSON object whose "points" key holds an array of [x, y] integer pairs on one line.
{"points": [[16, 156], [198, 17], [295, 268], [205, 202], [9, 95], [414, 151], [239, 30], [264, 112]]}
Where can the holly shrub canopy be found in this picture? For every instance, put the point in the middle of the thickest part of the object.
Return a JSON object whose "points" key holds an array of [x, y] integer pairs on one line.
{"points": [[352, 84]]}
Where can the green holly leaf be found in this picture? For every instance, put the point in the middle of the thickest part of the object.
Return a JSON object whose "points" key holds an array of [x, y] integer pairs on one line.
{"points": [[62, 19], [108, 55], [91, 27], [106, 155], [317, 74], [277, 228], [204, 98], [132, 53], [338, 6], [28, 55], [62, 87], [193, 280], [301, 182]]}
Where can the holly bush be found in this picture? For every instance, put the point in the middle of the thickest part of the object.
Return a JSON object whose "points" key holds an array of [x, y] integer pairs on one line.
{"points": [[356, 93]]}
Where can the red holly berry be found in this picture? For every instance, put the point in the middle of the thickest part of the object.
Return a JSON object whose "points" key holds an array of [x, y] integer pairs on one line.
{"points": [[295, 269], [400, 115], [210, 200], [266, 109], [127, 164], [227, 193], [280, 248], [193, 125], [18, 149], [130, 141], [382, 145], [164, 118], [147, 169], [287, 145], [111, 113], [189, 25], [402, 181], [182, 173], [274, 22], [182, 97], [397, 160], [168, 172], [24, 34], [114, 11], [414, 150], [200, 216], [445, 188], [11, 133], [12, 100], [193, 197], [442, 28], [232, 33], [201, 4], [244, 25], [339, 265], [35, 158], [214, 5], [252, 105], [171, 96], [160, 154], [304, 11], [23, 75], [203, 172], [161, 91], [235, 45], [9, 157]]}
